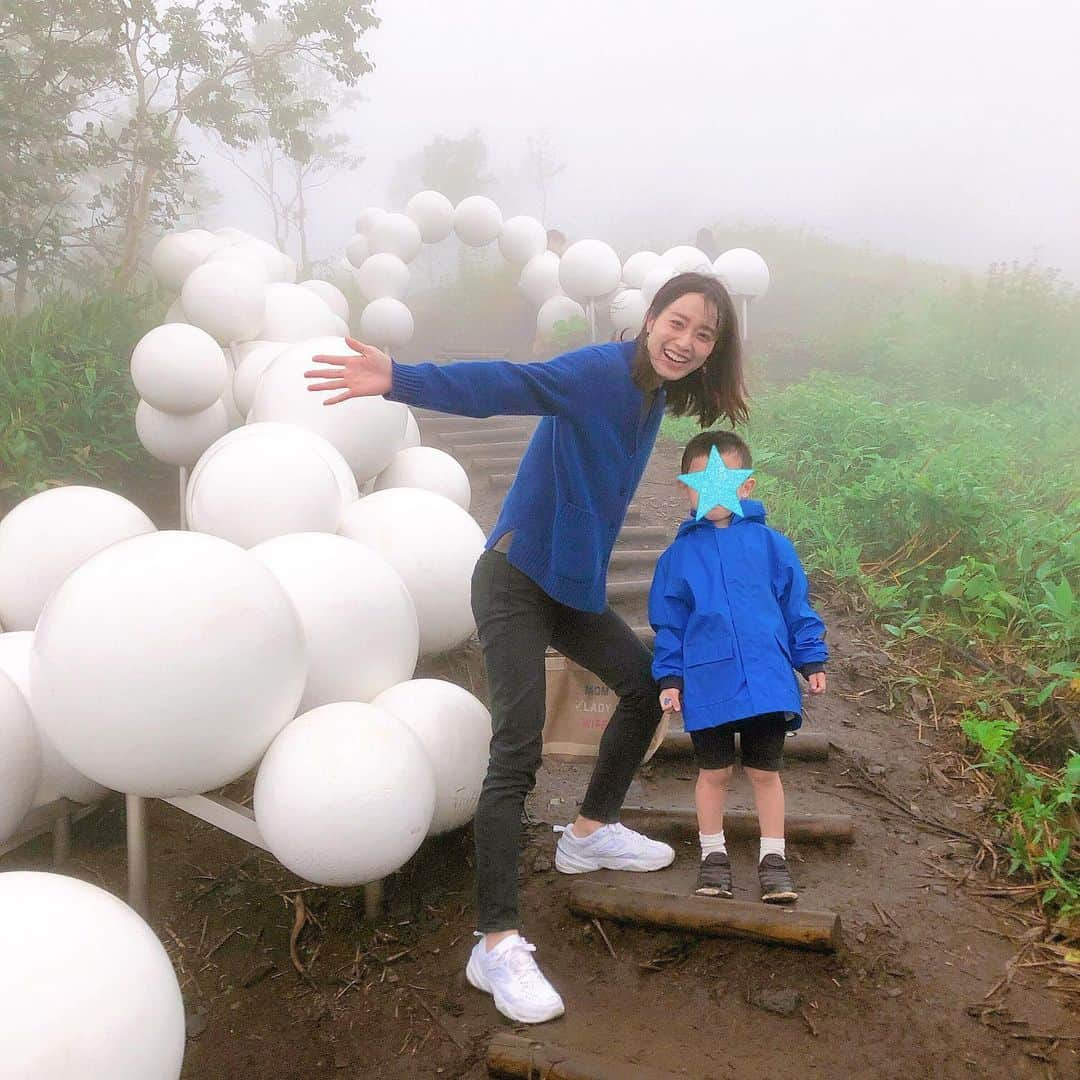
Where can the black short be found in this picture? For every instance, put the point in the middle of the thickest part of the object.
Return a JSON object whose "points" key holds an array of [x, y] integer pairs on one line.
{"points": [[761, 743]]}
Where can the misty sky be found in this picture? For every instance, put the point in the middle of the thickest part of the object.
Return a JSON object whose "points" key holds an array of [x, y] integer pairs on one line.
{"points": [[946, 130]]}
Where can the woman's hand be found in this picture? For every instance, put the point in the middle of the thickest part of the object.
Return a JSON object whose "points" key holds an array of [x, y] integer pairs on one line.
{"points": [[365, 372], [817, 682], [670, 700]]}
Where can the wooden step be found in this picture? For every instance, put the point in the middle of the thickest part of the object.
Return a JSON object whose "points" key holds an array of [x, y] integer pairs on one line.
{"points": [[645, 536], [633, 558], [502, 433], [623, 592]]}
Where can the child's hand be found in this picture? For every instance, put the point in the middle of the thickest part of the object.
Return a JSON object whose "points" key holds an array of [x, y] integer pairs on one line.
{"points": [[817, 682], [670, 700]]}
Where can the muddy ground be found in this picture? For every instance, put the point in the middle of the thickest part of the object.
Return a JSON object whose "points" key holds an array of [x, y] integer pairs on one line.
{"points": [[285, 980]]}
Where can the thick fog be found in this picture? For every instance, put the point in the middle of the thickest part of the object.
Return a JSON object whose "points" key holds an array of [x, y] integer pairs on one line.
{"points": [[945, 130]]}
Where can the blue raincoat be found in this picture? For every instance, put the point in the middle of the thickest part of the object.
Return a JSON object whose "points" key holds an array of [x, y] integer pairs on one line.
{"points": [[733, 621]]}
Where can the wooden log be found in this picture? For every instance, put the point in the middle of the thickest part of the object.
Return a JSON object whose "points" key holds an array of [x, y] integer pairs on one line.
{"points": [[742, 824], [516, 1058], [818, 931], [805, 746]]}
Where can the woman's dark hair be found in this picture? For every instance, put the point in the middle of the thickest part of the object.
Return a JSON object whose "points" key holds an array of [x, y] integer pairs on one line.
{"points": [[717, 387]]}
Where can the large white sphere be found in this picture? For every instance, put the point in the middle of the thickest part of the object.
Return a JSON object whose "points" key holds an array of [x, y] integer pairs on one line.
{"points": [[368, 218], [230, 234], [659, 275], [539, 279], [686, 258], [294, 313], [433, 213], [279, 267], [233, 414], [557, 309], [627, 310], [359, 620], [20, 758], [357, 249], [588, 269], [255, 358], [455, 730], [386, 322], [345, 795], [166, 664], [412, 432], [522, 238], [346, 482], [48, 535], [226, 300], [176, 254], [637, 266], [175, 313], [261, 486], [477, 220], [179, 440], [383, 275], [234, 255], [397, 235], [88, 990], [178, 368], [743, 272], [430, 469], [59, 779], [433, 544], [366, 430], [330, 295]]}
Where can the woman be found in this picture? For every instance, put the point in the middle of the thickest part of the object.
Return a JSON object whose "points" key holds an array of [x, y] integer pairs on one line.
{"points": [[542, 578]]}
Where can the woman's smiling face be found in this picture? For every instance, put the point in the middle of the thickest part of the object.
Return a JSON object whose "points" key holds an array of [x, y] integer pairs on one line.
{"points": [[680, 338]]}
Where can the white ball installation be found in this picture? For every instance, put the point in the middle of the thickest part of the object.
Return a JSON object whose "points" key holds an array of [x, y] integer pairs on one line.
{"points": [[226, 300], [477, 221], [255, 358], [166, 664], [175, 313], [367, 431], [521, 239], [59, 779], [412, 432], [87, 988], [179, 368], [637, 266], [383, 275], [180, 440], [357, 249], [359, 620], [433, 213], [263, 485], [20, 758], [396, 234], [743, 272], [686, 258], [433, 544], [46, 536], [455, 730], [176, 254], [557, 309], [386, 322], [539, 279], [233, 255], [294, 313], [588, 269], [659, 275], [345, 795], [429, 469], [628, 310], [330, 295], [368, 217]]}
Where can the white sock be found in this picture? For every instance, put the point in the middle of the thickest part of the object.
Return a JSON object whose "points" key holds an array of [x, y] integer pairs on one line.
{"points": [[771, 845], [711, 842]]}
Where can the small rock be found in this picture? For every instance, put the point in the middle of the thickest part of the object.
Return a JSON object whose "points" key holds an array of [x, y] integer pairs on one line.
{"points": [[541, 864], [196, 1022], [893, 992], [781, 1001], [941, 890], [875, 770], [847, 721]]}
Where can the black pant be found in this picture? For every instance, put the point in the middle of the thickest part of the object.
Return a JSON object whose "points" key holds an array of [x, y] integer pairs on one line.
{"points": [[517, 621]]}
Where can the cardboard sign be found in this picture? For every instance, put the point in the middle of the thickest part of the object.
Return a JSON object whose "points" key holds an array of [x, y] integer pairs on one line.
{"points": [[579, 707]]}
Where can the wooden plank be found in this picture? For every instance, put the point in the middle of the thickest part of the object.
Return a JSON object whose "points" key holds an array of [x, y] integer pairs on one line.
{"points": [[818, 931], [741, 824], [515, 1058]]}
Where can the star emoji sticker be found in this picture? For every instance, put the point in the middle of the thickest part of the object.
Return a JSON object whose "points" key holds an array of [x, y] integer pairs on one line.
{"points": [[717, 485]]}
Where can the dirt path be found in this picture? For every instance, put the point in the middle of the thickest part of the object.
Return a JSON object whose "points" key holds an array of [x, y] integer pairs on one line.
{"points": [[911, 994]]}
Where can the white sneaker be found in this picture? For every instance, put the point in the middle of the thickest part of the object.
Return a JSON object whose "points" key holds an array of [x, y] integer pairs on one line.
{"points": [[611, 847], [510, 975]]}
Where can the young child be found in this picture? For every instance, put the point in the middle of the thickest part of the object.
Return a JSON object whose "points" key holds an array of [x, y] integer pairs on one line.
{"points": [[733, 621]]}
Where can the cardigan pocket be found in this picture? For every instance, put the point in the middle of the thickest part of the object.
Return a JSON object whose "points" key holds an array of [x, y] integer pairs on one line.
{"points": [[712, 672], [576, 543]]}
